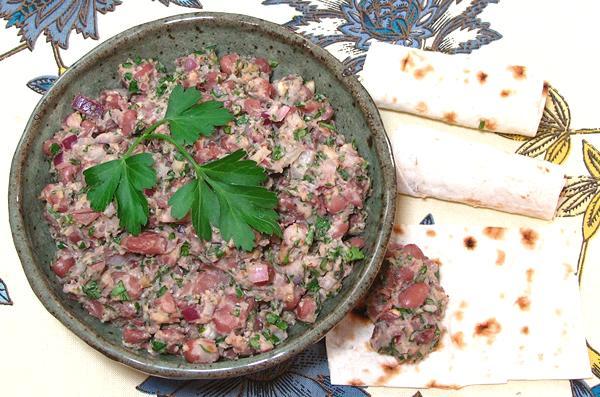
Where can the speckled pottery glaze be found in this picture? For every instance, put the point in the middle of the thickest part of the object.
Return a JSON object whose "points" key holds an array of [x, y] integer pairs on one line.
{"points": [[166, 39]]}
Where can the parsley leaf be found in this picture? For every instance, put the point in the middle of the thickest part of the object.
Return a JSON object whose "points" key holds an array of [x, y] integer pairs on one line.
{"points": [[123, 179], [228, 196], [188, 119], [354, 254]]}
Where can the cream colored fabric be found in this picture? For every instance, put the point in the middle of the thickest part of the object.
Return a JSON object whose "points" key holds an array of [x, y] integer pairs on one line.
{"points": [[41, 357]]}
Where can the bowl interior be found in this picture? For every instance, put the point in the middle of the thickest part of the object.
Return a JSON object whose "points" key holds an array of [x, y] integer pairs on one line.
{"points": [[356, 118]]}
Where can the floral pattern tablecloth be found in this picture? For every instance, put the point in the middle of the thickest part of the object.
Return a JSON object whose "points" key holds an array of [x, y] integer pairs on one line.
{"points": [[43, 37]]}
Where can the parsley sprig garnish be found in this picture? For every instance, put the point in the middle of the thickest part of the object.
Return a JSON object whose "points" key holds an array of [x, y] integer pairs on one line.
{"points": [[226, 194]]}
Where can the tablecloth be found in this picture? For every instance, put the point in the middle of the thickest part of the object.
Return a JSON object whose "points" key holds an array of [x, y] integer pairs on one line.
{"points": [[38, 356]]}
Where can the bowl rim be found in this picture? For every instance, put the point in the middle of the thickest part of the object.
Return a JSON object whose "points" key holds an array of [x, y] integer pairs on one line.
{"points": [[228, 368]]}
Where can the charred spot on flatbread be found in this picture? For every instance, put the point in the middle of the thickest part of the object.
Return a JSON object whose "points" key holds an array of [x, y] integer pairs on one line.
{"points": [[458, 315], [500, 257], [529, 274], [525, 330], [421, 107], [519, 72], [523, 302], [489, 124], [458, 339], [430, 233], [482, 77], [422, 72], [389, 371], [489, 328], [398, 229], [433, 384], [470, 242], [505, 93], [450, 117], [406, 61], [356, 382], [529, 237], [495, 233]]}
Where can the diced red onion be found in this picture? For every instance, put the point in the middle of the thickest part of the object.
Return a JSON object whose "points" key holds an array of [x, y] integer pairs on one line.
{"points": [[258, 273], [116, 260], [68, 142], [87, 106], [190, 314], [58, 159], [190, 64]]}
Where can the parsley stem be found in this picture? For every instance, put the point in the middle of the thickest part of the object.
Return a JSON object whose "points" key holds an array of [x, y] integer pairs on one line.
{"points": [[147, 132], [180, 148]]}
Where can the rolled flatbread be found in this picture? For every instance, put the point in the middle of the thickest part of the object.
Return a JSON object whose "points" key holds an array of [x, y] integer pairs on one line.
{"points": [[431, 163], [514, 312], [467, 90]]}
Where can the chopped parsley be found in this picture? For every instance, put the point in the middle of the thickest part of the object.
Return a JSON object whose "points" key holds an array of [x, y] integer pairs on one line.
{"points": [[271, 337], [344, 174], [299, 134], [54, 149], [158, 346], [354, 254], [238, 291], [274, 319], [91, 289], [185, 249], [241, 120], [133, 87], [313, 285], [322, 227], [254, 341], [327, 125], [119, 291], [277, 153], [161, 291]]}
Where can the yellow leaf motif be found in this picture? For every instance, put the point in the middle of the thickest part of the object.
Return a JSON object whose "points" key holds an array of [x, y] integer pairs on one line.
{"points": [[537, 145], [591, 158], [591, 218], [557, 116], [576, 195], [559, 150]]}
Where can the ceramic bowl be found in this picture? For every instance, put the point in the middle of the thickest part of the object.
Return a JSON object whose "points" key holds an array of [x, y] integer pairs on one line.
{"points": [[166, 39]]}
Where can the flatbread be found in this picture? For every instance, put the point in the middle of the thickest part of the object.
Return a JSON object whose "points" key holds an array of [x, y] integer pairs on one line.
{"points": [[432, 163], [469, 90], [513, 313]]}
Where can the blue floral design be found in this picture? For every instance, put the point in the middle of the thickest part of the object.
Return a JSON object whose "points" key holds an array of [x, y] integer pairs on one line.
{"points": [[58, 18], [4, 297], [428, 220], [41, 84], [396, 21], [580, 388], [308, 376], [427, 24], [55, 18]]}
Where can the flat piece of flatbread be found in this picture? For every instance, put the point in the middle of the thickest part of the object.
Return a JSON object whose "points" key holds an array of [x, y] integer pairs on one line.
{"points": [[513, 313]]}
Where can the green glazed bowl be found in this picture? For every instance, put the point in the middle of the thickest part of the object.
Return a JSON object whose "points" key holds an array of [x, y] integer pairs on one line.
{"points": [[166, 39]]}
